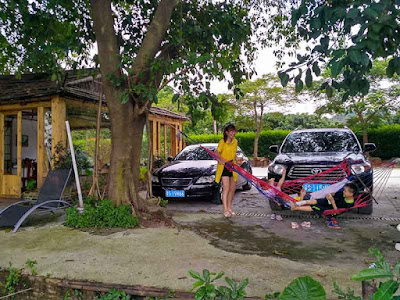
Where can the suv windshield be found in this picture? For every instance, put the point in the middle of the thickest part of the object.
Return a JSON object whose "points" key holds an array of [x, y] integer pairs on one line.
{"points": [[194, 153], [328, 141]]}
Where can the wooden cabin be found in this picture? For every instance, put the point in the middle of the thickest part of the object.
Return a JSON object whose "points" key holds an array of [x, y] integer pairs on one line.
{"points": [[33, 111]]}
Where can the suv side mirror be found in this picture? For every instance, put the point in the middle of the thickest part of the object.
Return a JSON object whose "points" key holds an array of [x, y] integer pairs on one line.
{"points": [[274, 148], [369, 147], [170, 158]]}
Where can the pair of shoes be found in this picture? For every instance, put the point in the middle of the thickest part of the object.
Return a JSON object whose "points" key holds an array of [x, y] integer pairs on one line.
{"points": [[306, 224], [227, 214], [276, 217], [294, 225], [232, 212], [331, 223]]}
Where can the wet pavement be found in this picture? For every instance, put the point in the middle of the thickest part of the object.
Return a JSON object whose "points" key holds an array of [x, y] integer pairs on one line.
{"points": [[253, 231]]}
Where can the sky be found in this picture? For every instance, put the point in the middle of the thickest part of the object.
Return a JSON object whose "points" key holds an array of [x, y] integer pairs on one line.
{"points": [[266, 63]]}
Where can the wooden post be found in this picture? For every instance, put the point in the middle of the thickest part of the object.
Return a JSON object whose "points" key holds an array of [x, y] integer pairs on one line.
{"points": [[180, 140], [173, 141], [165, 141], [19, 144], [1, 151], [158, 139], [154, 137], [40, 155], [58, 118]]}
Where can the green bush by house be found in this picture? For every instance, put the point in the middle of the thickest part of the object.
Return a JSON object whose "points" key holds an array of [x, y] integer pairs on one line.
{"points": [[386, 138]]}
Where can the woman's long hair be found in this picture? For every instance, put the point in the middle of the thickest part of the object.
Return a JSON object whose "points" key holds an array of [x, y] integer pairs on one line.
{"points": [[228, 128]]}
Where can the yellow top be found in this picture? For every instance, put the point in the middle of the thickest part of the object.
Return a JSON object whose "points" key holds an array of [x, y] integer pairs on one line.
{"points": [[228, 152]]}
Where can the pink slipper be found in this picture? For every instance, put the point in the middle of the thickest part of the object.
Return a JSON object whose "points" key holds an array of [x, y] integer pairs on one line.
{"points": [[306, 224], [278, 218], [227, 215], [294, 225]]}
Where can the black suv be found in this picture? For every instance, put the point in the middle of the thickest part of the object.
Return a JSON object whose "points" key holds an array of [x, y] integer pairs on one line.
{"points": [[307, 152]]}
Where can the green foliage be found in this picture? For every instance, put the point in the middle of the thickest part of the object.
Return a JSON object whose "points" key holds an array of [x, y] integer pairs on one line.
{"points": [[114, 294], [380, 136], [12, 280], [31, 185], [303, 288], [63, 158], [32, 266], [101, 214], [206, 289], [347, 36], [163, 202], [143, 174]]}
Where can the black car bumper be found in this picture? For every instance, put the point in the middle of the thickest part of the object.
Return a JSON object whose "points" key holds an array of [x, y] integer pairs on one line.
{"points": [[193, 191]]}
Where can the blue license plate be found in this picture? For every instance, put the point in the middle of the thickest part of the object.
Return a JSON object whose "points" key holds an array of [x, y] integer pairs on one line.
{"points": [[175, 193], [314, 187]]}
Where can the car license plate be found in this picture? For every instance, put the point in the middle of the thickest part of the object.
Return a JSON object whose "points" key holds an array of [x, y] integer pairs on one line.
{"points": [[314, 187], [175, 193]]}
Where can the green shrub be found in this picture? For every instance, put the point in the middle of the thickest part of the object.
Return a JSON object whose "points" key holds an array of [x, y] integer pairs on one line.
{"points": [[101, 214], [386, 139], [143, 174], [246, 141]]}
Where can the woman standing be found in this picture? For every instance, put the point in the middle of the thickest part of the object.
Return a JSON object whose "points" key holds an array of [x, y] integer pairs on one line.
{"points": [[227, 148]]}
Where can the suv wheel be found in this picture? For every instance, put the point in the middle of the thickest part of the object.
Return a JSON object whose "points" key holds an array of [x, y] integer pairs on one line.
{"points": [[217, 195], [274, 205], [367, 210]]}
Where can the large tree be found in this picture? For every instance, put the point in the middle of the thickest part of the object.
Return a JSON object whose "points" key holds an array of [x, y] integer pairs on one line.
{"points": [[142, 46]]}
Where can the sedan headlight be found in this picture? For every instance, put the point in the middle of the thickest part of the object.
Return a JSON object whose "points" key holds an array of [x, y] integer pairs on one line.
{"points": [[277, 169], [206, 179], [360, 168], [155, 179]]}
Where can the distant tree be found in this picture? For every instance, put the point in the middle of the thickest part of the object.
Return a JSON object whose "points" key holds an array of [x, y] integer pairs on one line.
{"points": [[259, 96], [370, 110]]}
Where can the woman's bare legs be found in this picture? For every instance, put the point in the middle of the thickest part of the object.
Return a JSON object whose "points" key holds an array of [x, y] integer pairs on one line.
{"points": [[225, 192], [231, 195]]}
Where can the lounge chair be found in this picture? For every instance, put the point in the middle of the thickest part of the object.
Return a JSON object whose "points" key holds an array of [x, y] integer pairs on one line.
{"points": [[49, 200]]}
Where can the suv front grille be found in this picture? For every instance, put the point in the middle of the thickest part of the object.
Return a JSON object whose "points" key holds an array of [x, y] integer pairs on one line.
{"points": [[182, 182], [301, 171]]}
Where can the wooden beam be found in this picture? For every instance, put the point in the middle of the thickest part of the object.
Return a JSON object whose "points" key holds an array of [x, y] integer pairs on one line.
{"points": [[40, 154], [19, 144], [159, 138], [154, 137], [23, 106], [165, 141], [85, 104], [173, 142], [1, 152], [58, 118]]}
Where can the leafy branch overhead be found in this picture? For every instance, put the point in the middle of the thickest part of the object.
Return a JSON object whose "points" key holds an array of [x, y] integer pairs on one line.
{"points": [[347, 36]]}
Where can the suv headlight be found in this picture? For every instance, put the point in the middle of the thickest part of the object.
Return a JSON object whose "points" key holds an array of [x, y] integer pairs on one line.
{"points": [[206, 179], [277, 169], [155, 179], [360, 168]]}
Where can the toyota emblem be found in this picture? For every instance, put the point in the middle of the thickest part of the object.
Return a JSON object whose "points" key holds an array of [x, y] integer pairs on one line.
{"points": [[316, 171]]}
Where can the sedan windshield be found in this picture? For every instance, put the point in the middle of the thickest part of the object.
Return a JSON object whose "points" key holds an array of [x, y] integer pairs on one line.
{"points": [[194, 153], [329, 141]]}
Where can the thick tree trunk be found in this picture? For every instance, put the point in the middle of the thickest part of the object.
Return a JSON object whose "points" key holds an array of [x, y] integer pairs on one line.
{"points": [[127, 120], [126, 124]]}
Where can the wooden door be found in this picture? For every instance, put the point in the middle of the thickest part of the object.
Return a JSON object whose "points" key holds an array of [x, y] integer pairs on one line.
{"points": [[10, 153]]}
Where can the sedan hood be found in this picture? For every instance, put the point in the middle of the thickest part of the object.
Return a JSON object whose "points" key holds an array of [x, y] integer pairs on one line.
{"points": [[188, 168], [317, 158]]}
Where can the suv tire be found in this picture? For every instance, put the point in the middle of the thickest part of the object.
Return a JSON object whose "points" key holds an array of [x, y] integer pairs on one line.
{"points": [[247, 186]]}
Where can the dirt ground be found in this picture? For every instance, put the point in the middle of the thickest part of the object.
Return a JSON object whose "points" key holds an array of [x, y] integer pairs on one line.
{"points": [[269, 252]]}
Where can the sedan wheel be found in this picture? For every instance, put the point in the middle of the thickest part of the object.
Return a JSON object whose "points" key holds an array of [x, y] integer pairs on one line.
{"points": [[217, 196]]}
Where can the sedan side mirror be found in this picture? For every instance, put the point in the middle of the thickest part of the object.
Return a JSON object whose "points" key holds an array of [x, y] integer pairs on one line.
{"points": [[170, 158], [274, 148], [369, 147]]}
